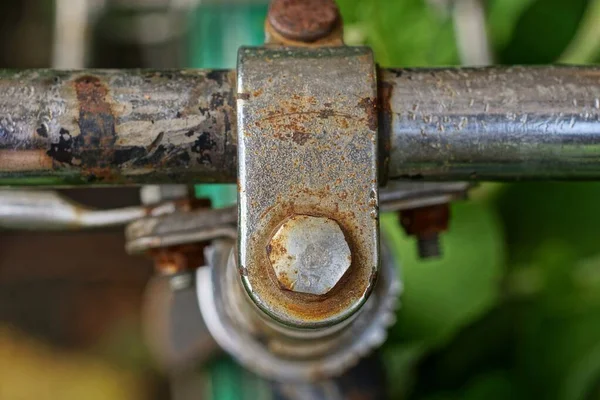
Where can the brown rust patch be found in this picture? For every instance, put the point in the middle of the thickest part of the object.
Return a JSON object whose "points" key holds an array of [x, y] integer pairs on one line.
{"points": [[93, 150], [24, 160], [385, 91], [293, 119], [91, 93], [426, 221], [326, 113], [285, 282], [300, 138], [370, 106], [172, 260], [303, 20]]}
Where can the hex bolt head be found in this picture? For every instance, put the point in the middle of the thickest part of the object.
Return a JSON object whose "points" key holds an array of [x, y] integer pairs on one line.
{"points": [[309, 254], [303, 20]]}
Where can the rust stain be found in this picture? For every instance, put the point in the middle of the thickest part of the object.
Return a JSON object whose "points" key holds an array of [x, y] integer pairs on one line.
{"points": [[385, 96], [101, 174], [385, 91], [326, 113], [303, 20], [172, 260], [285, 281], [292, 120], [370, 106], [426, 221], [96, 121], [93, 150], [24, 160], [300, 138], [333, 39]]}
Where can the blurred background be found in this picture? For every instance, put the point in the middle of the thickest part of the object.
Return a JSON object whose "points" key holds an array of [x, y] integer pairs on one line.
{"points": [[511, 311]]}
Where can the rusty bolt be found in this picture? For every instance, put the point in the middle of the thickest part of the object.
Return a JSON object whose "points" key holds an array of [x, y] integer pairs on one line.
{"points": [[426, 223], [303, 20], [177, 259], [309, 254]]}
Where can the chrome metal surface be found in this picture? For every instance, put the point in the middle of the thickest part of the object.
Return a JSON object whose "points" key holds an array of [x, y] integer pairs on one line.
{"points": [[404, 195], [240, 329], [155, 194], [27, 209], [309, 254], [307, 145], [497, 123], [179, 228]]}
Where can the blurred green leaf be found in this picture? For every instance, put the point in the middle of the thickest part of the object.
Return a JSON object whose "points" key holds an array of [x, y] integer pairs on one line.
{"points": [[532, 213], [400, 361], [497, 385], [542, 32], [441, 296], [502, 17], [401, 33], [585, 45], [559, 347], [493, 386]]}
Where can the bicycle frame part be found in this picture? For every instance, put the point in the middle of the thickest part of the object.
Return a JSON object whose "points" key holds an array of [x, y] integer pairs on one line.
{"points": [[129, 127]]}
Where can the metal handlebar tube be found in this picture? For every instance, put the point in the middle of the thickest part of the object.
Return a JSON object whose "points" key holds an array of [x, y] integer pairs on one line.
{"points": [[487, 124], [126, 127], [116, 127]]}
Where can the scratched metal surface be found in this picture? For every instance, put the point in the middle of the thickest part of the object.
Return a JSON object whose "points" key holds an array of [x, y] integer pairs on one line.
{"points": [[307, 146], [116, 127], [499, 123]]}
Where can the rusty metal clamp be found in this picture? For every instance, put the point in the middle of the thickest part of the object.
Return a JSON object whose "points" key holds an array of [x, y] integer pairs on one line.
{"points": [[308, 182]]}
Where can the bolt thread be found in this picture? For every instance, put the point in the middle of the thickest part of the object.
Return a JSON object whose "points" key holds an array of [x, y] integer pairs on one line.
{"points": [[429, 247]]}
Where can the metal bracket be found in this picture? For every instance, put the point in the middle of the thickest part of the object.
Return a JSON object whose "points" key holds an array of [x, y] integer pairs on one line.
{"points": [[307, 146]]}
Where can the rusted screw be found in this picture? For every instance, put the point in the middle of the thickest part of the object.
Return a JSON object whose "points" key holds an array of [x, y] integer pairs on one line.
{"points": [[429, 247], [309, 254], [303, 20], [426, 223], [175, 261]]}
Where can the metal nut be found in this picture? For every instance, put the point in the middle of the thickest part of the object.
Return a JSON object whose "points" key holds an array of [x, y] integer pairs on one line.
{"points": [[426, 223], [309, 254]]}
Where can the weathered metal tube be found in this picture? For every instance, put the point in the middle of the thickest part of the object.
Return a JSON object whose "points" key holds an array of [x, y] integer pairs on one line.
{"points": [[116, 127], [127, 127], [499, 123]]}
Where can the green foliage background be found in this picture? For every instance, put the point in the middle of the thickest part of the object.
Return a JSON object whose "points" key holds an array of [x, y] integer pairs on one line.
{"points": [[513, 308]]}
